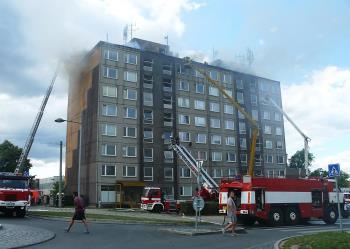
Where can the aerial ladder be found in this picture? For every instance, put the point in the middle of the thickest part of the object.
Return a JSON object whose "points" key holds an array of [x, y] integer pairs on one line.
{"points": [[306, 138], [193, 164], [30, 139], [254, 124]]}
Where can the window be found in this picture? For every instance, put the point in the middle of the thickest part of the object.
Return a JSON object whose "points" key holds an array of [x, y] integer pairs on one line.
{"points": [[215, 139], [243, 158], [108, 150], [183, 102], [184, 86], [200, 88], [131, 59], [109, 72], [129, 151], [148, 135], [200, 121], [241, 127], [239, 84], [130, 76], [229, 125], [202, 155], [167, 85], [226, 78], [199, 104], [148, 99], [109, 130], [240, 115], [217, 173], [201, 138], [278, 117], [129, 171], [129, 132], [254, 99], [252, 86], [231, 157], [213, 91], [166, 69], [215, 123], [130, 94], [185, 172], [216, 156], [167, 102], [184, 136], [268, 158], [266, 115], [109, 110], [228, 92], [198, 74], [270, 173], [280, 159], [147, 117], [168, 174], [279, 145], [168, 156], [111, 55], [268, 144], [148, 81], [214, 107], [148, 65], [255, 114], [243, 142], [231, 141], [109, 91], [214, 75], [186, 190], [108, 170], [148, 173], [240, 98], [267, 129], [166, 136], [168, 119], [232, 172], [278, 131], [108, 194], [184, 119], [228, 109], [130, 112], [148, 154]]}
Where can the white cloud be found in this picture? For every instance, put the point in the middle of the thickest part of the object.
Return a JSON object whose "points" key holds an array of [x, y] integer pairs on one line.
{"points": [[319, 106], [45, 168], [343, 158]]}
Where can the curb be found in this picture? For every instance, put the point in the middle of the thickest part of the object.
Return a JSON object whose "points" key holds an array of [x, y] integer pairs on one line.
{"points": [[279, 242], [192, 232]]}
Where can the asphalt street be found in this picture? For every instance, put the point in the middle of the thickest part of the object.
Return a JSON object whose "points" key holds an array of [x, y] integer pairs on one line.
{"points": [[124, 236]]}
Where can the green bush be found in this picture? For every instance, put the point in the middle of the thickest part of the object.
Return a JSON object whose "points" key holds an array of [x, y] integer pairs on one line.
{"points": [[210, 208]]}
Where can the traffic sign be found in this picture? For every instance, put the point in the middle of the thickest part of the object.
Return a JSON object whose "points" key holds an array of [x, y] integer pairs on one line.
{"points": [[198, 203], [333, 170]]}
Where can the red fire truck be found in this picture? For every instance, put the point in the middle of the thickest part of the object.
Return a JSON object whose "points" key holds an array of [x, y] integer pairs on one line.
{"points": [[14, 194], [278, 201], [154, 200]]}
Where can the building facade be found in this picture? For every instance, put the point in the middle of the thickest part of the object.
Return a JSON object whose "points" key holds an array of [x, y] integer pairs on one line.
{"points": [[131, 99]]}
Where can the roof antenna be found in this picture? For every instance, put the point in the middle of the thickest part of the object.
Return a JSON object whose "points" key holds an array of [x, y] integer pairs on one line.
{"points": [[107, 37], [125, 34], [167, 40]]}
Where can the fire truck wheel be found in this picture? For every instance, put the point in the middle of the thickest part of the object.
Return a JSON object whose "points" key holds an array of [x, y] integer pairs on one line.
{"points": [[157, 208], [345, 214], [292, 216], [276, 217], [248, 221], [9, 213], [331, 215], [20, 213]]}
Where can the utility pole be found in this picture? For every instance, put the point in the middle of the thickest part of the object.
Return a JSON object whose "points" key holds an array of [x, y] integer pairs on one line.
{"points": [[60, 179]]}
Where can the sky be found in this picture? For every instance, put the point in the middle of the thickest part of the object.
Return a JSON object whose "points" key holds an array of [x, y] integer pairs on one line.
{"points": [[302, 44]]}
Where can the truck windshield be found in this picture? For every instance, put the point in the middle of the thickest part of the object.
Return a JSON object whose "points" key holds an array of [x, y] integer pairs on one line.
{"points": [[11, 183]]}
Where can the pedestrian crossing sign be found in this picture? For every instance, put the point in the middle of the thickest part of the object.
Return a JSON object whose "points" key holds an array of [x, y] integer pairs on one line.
{"points": [[333, 170]]}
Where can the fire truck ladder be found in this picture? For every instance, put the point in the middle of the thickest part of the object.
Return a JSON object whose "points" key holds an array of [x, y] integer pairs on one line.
{"points": [[30, 139], [192, 164]]}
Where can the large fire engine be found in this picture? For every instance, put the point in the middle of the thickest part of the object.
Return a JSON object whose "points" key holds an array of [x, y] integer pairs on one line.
{"points": [[278, 201], [14, 194]]}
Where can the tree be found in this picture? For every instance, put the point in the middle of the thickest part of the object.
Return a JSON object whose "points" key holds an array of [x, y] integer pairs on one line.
{"points": [[9, 156], [298, 159], [343, 180], [55, 188]]}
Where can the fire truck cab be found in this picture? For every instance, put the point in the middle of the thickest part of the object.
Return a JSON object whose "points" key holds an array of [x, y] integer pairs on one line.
{"points": [[279, 201], [14, 194], [154, 200]]}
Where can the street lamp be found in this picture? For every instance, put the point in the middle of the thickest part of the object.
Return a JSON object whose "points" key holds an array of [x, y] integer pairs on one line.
{"points": [[61, 120]]}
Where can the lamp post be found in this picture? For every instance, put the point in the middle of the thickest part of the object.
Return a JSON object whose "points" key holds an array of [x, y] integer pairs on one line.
{"points": [[61, 120]]}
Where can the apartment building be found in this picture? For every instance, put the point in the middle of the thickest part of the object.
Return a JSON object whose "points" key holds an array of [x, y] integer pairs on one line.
{"points": [[131, 99]]}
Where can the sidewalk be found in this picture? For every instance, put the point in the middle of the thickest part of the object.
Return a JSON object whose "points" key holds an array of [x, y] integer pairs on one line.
{"points": [[15, 236]]}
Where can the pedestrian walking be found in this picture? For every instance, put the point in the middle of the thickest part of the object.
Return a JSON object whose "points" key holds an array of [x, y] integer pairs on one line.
{"points": [[79, 213], [231, 214]]}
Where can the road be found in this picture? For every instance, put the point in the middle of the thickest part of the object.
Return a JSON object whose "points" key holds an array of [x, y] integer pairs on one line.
{"points": [[124, 236]]}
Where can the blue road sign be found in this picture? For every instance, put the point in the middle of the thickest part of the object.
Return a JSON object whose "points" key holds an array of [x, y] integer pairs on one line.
{"points": [[333, 170]]}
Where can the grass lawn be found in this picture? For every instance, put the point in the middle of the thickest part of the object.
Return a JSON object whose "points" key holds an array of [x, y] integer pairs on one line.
{"points": [[326, 240], [104, 217]]}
